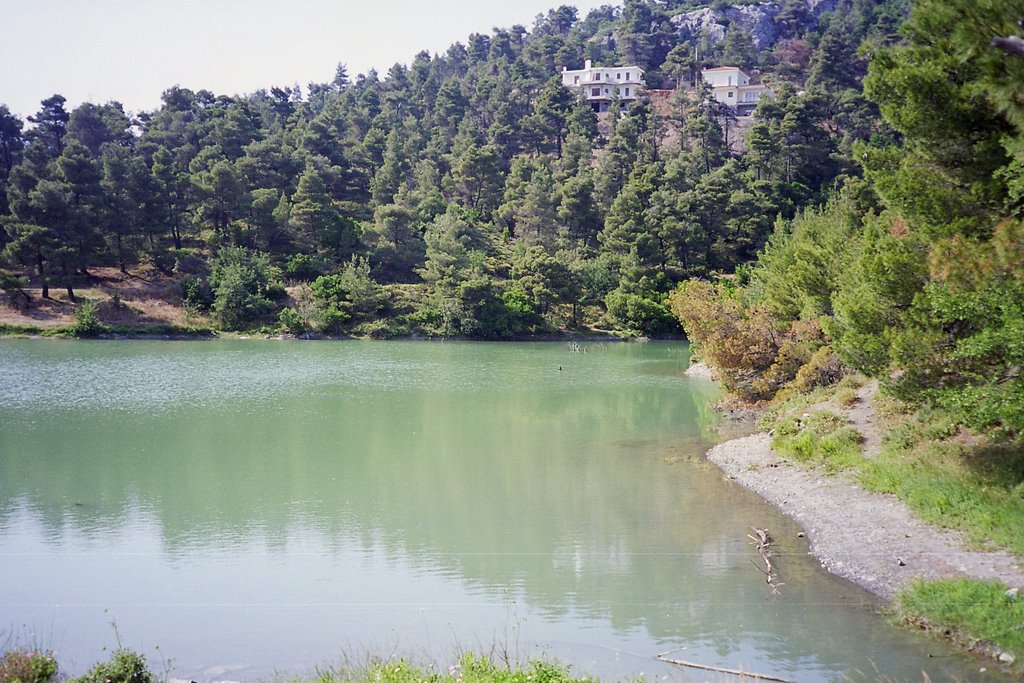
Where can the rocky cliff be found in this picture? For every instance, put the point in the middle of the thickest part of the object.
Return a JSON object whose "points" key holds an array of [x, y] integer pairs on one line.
{"points": [[759, 19]]}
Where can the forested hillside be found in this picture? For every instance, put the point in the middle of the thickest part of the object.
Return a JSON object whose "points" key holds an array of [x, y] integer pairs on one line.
{"points": [[469, 193], [913, 273]]}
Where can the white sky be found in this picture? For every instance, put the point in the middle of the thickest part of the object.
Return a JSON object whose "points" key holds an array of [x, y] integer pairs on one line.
{"points": [[133, 50]]}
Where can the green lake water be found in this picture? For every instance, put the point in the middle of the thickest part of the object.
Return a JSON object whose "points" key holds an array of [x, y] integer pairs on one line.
{"points": [[245, 507]]}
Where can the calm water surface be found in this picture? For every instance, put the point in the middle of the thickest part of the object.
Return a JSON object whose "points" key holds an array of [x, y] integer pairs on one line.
{"points": [[246, 507]]}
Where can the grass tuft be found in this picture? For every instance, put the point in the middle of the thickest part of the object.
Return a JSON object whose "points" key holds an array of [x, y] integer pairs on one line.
{"points": [[847, 397], [470, 669], [819, 438], [957, 607]]}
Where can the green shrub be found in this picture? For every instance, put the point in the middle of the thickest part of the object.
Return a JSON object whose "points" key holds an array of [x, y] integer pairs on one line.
{"points": [[374, 329], [22, 665], [245, 285], [195, 295], [328, 289], [87, 322], [644, 313], [365, 296], [521, 310], [291, 321], [303, 267], [124, 666], [332, 319]]}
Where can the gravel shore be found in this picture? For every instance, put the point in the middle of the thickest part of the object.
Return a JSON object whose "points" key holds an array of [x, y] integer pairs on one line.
{"points": [[871, 539]]}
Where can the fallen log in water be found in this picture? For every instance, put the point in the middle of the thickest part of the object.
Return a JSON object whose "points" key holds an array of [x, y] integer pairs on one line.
{"points": [[718, 669]]}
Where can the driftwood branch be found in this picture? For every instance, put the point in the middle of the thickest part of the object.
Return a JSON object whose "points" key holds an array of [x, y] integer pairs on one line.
{"points": [[762, 541], [718, 669]]}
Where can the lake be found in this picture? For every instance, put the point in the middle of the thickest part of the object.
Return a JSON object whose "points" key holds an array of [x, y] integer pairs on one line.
{"points": [[239, 508]]}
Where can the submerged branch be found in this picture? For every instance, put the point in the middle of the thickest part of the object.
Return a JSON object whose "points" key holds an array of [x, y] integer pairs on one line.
{"points": [[718, 669], [762, 542]]}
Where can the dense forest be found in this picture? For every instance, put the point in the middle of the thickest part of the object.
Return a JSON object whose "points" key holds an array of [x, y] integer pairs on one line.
{"points": [[466, 193]]}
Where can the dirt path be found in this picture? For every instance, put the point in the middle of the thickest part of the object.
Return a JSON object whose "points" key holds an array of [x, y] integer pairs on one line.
{"points": [[862, 418]]}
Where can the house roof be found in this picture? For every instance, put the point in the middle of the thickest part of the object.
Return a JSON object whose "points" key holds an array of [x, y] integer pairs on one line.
{"points": [[600, 68], [725, 68]]}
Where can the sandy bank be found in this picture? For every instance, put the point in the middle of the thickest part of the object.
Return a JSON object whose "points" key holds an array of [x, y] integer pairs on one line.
{"points": [[871, 539]]}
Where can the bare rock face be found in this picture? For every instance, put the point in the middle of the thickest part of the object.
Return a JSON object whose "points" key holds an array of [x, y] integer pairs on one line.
{"points": [[759, 19]]}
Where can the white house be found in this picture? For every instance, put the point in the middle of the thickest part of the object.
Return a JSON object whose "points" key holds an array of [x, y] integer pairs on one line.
{"points": [[602, 84], [732, 86]]}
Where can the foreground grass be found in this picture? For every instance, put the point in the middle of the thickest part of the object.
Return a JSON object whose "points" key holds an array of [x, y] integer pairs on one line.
{"points": [[967, 611], [26, 665], [470, 669]]}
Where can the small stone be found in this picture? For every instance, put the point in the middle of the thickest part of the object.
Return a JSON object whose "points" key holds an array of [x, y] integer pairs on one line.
{"points": [[1006, 658], [900, 561], [1011, 594], [801, 535]]}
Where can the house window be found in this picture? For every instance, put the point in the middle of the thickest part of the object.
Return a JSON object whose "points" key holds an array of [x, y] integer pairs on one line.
{"points": [[606, 91], [618, 76], [729, 83], [627, 75], [595, 92], [732, 93], [627, 92], [575, 80]]}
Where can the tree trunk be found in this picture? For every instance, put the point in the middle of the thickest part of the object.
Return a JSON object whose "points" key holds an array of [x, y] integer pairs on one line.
{"points": [[42, 275], [120, 255], [175, 228]]}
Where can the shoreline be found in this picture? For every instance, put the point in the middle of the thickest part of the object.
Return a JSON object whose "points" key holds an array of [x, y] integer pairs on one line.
{"points": [[206, 334], [873, 540]]}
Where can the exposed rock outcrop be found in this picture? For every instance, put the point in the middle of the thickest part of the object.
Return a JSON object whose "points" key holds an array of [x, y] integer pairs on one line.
{"points": [[759, 19]]}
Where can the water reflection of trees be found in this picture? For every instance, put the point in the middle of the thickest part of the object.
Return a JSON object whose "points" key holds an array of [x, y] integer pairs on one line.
{"points": [[581, 492]]}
